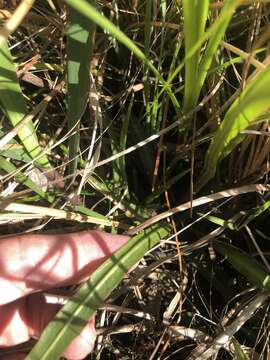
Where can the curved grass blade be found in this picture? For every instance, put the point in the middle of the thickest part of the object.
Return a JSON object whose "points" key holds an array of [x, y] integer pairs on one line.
{"points": [[80, 43], [87, 10], [213, 31], [253, 102], [195, 16], [14, 105], [71, 319], [245, 265]]}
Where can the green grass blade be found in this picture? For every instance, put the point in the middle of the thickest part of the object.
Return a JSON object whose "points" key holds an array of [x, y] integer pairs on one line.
{"points": [[245, 265], [239, 352], [195, 16], [210, 33], [258, 211], [212, 46], [80, 41], [147, 39], [9, 168], [88, 212], [87, 10], [14, 106], [71, 319], [226, 224], [253, 102], [120, 163]]}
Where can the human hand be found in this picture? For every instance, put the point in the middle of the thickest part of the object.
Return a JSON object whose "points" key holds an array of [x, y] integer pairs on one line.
{"points": [[30, 264]]}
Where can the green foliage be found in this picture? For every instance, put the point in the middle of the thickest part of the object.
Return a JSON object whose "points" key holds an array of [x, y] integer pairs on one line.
{"points": [[87, 10], [249, 105], [141, 83]]}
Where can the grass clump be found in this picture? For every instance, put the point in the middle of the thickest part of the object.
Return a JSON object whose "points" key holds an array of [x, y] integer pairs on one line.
{"points": [[128, 114]]}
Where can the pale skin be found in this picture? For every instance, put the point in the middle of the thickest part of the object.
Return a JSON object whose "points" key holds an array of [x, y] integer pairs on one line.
{"points": [[30, 264]]}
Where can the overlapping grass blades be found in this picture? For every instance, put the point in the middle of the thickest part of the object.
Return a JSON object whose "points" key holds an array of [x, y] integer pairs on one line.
{"points": [[88, 11], [14, 106], [9, 168], [196, 64], [71, 319], [252, 102], [195, 16], [80, 43]]}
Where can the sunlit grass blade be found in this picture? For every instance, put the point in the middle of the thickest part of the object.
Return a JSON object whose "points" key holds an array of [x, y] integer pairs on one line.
{"points": [[256, 212], [253, 102], [88, 11], [213, 32], [80, 42], [245, 265], [14, 106], [195, 16], [214, 41], [71, 319], [147, 38]]}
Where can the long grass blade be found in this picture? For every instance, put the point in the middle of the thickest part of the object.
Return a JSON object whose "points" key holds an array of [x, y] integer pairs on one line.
{"points": [[213, 32], [71, 319], [212, 46], [195, 16], [80, 43], [245, 265], [14, 106], [87, 10]]}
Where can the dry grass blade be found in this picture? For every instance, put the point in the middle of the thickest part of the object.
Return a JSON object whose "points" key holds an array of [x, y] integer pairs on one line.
{"points": [[15, 20], [198, 202], [224, 338], [56, 213]]}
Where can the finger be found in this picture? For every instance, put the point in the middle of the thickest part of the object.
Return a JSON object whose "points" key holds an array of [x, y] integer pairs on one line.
{"points": [[29, 316], [13, 326], [16, 356], [39, 262]]}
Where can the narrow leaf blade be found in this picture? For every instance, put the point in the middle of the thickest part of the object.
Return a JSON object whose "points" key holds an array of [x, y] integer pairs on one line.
{"points": [[253, 102], [14, 105], [245, 265], [71, 319], [80, 42]]}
